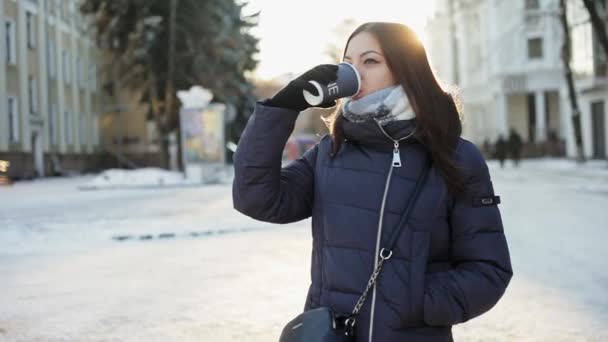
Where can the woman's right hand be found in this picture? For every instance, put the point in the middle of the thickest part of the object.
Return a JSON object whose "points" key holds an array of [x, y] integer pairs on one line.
{"points": [[291, 96]]}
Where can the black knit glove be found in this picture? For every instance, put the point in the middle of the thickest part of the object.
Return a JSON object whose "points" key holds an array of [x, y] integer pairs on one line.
{"points": [[291, 96]]}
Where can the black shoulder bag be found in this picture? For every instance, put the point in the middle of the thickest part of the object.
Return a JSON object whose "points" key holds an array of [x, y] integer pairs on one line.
{"points": [[323, 325]]}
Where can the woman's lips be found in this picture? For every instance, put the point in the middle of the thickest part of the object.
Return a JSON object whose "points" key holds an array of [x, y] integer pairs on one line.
{"points": [[358, 95]]}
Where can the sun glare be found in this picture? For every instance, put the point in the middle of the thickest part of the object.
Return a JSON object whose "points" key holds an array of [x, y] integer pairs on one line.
{"points": [[296, 35]]}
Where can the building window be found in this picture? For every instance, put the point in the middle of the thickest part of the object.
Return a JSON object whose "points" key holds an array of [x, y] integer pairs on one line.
{"points": [[598, 134], [63, 10], [531, 102], [83, 73], [32, 94], [82, 128], [72, 11], [95, 129], [66, 66], [13, 119], [30, 29], [68, 127], [535, 48], [78, 78], [600, 58], [57, 8], [93, 77], [51, 58], [80, 65], [9, 41], [532, 4], [52, 124]]}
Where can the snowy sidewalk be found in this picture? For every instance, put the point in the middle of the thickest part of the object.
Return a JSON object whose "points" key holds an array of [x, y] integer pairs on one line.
{"points": [[63, 277]]}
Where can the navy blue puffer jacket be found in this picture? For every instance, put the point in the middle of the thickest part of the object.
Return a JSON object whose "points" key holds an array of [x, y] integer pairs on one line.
{"points": [[451, 262]]}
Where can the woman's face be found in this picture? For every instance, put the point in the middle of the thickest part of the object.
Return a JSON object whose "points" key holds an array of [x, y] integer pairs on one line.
{"points": [[363, 51]]}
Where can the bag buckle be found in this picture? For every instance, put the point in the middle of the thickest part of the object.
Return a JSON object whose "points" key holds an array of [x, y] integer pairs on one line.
{"points": [[386, 254], [349, 326]]}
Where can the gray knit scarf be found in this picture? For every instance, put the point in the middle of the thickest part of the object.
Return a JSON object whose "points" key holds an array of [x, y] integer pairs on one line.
{"points": [[383, 106]]}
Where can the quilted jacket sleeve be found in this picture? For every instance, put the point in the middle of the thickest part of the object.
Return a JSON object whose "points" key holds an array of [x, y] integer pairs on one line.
{"points": [[262, 188], [479, 251]]}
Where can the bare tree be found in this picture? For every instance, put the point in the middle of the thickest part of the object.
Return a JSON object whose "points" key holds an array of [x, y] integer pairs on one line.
{"points": [[565, 54], [169, 85], [599, 25]]}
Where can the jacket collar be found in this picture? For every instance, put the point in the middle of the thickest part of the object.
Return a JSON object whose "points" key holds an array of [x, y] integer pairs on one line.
{"points": [[370, 135]]}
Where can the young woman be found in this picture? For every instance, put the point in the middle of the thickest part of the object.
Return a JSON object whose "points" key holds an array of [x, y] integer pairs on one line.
{"points": [[451, 262]]}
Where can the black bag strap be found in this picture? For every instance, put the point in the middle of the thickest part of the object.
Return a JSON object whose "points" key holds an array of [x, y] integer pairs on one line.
{"points": [[408, 209], [386, 253]]}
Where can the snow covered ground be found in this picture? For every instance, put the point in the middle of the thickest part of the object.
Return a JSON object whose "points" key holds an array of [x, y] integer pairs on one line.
{"points": [[177, 263]]}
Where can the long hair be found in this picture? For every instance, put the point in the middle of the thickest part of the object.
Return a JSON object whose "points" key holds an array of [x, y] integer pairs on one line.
{"points": [[437, 118]]}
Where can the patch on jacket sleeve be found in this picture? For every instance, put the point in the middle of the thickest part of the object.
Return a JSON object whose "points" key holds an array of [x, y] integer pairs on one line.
{"points": [[486, 201]]}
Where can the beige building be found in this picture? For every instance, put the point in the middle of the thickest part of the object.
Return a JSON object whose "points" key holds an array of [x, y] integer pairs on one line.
{"points": [[50, 96]]}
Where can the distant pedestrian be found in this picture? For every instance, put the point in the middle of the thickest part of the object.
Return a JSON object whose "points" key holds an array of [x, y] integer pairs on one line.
{"points": [[500, 150], [515, 145], [486, 148]]}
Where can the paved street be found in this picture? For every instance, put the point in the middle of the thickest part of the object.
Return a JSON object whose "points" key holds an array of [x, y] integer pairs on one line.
{"points": [[90, 265]]}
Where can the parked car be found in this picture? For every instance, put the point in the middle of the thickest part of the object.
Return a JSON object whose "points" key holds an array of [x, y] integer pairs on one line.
{"points": [[298, 144]]}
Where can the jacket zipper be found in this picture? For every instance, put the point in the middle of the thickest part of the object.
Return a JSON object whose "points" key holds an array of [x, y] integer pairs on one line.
{"points": [[396, 162]]}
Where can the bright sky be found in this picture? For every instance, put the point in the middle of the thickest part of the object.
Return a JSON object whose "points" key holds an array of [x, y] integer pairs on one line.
{"points": [[294, 35]]}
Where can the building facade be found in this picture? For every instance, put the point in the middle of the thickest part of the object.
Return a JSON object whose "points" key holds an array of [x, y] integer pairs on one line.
{"points": [[504, 58], [50, 97]]}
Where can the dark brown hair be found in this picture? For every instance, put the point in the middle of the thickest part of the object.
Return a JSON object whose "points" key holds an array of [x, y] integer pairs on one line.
{"points": [[437, 118]]}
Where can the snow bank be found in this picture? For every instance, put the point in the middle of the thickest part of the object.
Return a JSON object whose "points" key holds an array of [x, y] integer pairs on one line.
{"points": [[152, 177], [145, 177]]}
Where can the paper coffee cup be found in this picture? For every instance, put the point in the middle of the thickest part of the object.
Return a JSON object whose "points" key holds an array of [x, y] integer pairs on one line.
{"points": [[347, 83]]}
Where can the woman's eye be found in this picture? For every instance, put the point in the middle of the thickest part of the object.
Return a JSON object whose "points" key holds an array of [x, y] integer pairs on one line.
{"points": [[370, 61]]}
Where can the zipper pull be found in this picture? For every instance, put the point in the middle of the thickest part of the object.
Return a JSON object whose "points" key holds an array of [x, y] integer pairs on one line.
{"points": [[396, 156]]}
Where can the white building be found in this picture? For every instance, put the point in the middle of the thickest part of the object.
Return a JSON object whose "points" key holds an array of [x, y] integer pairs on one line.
{"points": [[590, 67], [49, 93], [505, 58]]}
